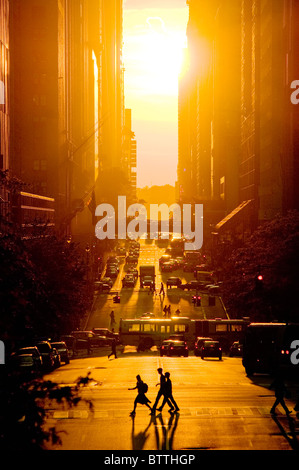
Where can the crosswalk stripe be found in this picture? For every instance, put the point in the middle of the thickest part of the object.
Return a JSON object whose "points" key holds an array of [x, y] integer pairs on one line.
{"points": [[184, 412]]}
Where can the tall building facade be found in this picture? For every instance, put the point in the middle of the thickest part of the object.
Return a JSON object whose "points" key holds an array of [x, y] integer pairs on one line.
{"points": [[55, 62], [4, 103], [238, 130]]}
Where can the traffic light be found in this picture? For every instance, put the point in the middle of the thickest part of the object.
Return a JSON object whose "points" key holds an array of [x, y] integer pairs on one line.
{"points": [[259, 281], [196, 299]]}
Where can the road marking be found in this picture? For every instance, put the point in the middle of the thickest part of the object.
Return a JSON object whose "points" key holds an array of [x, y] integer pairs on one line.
{"points": [[213, 412]]}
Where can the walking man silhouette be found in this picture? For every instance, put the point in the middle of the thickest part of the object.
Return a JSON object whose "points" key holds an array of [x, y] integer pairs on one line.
{"points": [[161, 391], [280, 392], [168, 397], [113, 350], [141, 397]]}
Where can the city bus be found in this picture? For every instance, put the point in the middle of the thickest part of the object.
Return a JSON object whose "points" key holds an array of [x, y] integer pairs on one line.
{"points": [[144, 333], [224, 330], [267, 347], [147, 332]]}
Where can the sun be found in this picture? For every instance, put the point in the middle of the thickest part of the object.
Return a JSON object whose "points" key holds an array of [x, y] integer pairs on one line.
{"points": [[157, 59]]}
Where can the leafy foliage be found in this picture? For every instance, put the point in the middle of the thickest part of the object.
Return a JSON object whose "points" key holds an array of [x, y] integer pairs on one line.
{"points": [[273, 251], [23, 411]]}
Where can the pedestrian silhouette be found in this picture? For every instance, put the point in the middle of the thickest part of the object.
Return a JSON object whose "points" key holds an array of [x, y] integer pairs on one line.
{"points": [[162, 291], [113, 349], [280, 392], [141, 397], [165, 311], [168, 397], [112, 319], [169, 311], [161, 391]]}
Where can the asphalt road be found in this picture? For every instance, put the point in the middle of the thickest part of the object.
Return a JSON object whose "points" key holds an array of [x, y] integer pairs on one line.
{"points": [[220, 407]]}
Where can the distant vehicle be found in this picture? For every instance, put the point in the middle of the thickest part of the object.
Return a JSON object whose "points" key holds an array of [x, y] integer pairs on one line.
{"points": [[178, 348], [173, 281], [90, 337], [164, 347], [111, 272], [46, 352], [107, 280], [101, 286], [147, 276], [69, 340], [211, 349], [62, 349], [188, 267], [191, 285], [128, 281], [236, 349], [133, 272], [164, 259], [132, 259], [199, 344], [168, 266], [108, 334]]}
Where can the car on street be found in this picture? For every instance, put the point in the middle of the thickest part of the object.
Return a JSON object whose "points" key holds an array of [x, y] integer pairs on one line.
{"points": [[236, 349], [173, 281], [191, 285], [101, 286], [199, 344], [90, 337], [164, 259], [211, 349], [177, 348], [56, 357], [36, 355], [108, 334], [24, 363], [128, 281], [62, 349], [168, 266], [164, 347], [132, 259], [133, 272], [111, 272], [148, 315], [147, 281], [47, 353]]}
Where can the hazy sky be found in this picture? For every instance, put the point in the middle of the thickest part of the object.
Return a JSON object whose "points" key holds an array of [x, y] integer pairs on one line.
{"points": [[154, 36]]}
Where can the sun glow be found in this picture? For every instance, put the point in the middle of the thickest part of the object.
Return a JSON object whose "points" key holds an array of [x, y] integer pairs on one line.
{"points": [[156, 57]]}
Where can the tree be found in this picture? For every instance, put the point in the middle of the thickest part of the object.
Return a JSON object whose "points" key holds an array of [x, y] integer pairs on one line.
{"points": [[273, 253]]}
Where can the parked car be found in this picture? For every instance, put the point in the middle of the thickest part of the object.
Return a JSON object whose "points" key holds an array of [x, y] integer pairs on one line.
{"points": [[36, 355], [173, 281], [102, 286], [46, 352], [24, 363], [211, 349], [164, 347], [62, 349], [178, 348], [236, 349], [56, 357], [199, 344]]}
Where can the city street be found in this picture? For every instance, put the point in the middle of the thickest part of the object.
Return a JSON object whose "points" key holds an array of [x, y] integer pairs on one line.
{"points": [[220, 408]]}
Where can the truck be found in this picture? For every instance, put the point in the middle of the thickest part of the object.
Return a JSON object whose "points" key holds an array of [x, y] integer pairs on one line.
{"points": [[147, 276]]}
